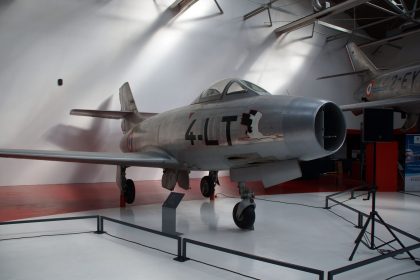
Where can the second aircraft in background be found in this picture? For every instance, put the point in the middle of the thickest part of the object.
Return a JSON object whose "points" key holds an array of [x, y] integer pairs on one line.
{"points": [[398, 89]]}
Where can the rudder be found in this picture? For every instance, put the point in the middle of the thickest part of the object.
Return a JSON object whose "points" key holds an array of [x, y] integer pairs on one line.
{"points": [[126, 99], [128, 105]]}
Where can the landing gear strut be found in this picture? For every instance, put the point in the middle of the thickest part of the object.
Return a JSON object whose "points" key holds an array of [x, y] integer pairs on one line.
{"points": [[127, 186], [208, 183], [244, 211]]}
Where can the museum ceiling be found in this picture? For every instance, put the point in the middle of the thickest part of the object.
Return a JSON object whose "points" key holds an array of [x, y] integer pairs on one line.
{"points": [[374, 22]]}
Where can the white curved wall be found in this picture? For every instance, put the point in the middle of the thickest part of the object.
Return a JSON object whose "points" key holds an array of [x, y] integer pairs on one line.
{"points": [[96, 45]]}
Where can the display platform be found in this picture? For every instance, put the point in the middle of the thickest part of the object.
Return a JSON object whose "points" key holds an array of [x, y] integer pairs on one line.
{"points": [[290, 228]]}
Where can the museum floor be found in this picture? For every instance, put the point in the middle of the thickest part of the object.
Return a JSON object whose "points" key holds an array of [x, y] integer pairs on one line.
{"points": [[285, 231]]}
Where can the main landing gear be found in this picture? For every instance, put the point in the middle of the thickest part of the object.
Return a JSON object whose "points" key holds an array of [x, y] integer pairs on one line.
{"points": [[127, 187], [171, 176], [244, 211], [208, 183]]}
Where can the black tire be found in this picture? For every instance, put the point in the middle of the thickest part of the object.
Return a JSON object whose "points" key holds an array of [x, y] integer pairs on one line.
{"points": [[207, 186], [247, 219], [129, 191]]}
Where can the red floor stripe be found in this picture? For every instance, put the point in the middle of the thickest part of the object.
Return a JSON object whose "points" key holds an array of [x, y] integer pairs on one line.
{"points": [[19, 202]]}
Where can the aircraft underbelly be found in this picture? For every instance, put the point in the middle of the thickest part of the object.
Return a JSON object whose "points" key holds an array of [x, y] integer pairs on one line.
{"points": [[228, 157]]}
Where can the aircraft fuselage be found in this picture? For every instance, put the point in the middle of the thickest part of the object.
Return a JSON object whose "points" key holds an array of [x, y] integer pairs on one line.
{"points": [[241, 132], [392, 84]]}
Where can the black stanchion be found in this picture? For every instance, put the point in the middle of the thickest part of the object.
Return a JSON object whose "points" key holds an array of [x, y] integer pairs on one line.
{"points": [[372, 218]]}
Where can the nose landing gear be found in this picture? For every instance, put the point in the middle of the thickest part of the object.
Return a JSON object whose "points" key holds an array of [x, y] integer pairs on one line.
{"points": [[244, 211]]}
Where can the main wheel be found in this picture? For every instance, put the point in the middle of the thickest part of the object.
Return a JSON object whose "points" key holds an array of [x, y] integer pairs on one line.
{"points": [[207, 186], [169, 179], [246, 219], [129, 191]]}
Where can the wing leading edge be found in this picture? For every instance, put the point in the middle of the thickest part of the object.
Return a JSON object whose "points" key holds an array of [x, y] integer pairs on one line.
{"points": [[157, 159]]}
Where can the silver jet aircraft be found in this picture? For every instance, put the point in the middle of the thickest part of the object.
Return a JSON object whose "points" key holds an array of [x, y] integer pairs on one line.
{"points": [[398, 88], [234, 125]]}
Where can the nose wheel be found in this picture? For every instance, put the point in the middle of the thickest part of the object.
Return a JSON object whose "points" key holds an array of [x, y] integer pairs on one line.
{"points": [[246, 219], [244, 211]]}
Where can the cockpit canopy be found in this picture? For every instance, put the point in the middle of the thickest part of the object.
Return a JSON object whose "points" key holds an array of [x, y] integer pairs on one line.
{"points": [[229, 89]]}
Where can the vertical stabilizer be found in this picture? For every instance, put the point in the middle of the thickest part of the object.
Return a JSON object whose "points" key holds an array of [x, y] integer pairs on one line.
{"points": [[126, 99], [128, 105], [360, 61]]}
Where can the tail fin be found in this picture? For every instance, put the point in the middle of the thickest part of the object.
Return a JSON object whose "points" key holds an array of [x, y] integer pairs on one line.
{"points": [[360, 61], [129, 113], [128, 105], [126, 99]]}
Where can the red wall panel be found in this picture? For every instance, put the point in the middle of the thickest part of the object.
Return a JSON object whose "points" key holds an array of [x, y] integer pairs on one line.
{"points": [[386, 165]]}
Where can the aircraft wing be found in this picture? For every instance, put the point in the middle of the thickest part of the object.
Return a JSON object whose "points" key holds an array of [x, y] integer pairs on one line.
{"points": [[158, 159], [386, 103]]}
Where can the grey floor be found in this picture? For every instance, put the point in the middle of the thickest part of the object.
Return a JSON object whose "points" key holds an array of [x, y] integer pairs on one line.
{"points": [[312, 237]]}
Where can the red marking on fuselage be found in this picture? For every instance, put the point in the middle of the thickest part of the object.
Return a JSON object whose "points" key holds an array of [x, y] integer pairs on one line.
{"points": [[369, 88]]}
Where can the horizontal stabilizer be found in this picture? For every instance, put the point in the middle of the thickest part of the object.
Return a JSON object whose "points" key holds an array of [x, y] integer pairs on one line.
{"points": [[344, 74], [158, 159], [101, 113], [111, 114]]}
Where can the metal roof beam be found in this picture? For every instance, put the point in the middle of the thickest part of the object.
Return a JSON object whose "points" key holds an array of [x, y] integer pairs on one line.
{"points": [[382, 9], [393, 38], [180, 6], [255, 12], [305, 21], [405, 15], [413, 12], [344, 30], [398, 5], [338, 36], [260, 10]]}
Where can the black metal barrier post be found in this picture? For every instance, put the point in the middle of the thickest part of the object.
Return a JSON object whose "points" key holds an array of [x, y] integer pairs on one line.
{"points": [[320, 273], [49, 220], [371, 260], [100, 225], [361, 214], [179, 239], [182, 243], [352, 190]]}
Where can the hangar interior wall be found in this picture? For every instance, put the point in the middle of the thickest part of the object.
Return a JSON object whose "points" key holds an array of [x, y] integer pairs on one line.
{"points": [[95, 46]]}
